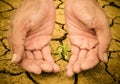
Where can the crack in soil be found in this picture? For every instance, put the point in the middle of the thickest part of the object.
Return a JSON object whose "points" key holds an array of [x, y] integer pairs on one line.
{"points": [[12, 8], [31, 78], [58, 6], [59, 23], [12, 74], [113, 4], [7, 51], [3, 44], [113, 21], [60, 39], [76, 79], [110, 4], [106, 69], [116, 39]]}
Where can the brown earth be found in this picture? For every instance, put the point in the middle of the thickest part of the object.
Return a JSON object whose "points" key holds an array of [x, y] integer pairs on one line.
{"points": [[102, 74]]}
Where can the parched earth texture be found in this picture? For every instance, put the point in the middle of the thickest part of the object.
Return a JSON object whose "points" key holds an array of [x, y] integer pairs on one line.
{"points": [[101, 74]]}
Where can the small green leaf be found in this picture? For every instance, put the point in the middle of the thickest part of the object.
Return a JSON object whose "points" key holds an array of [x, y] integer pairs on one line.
{"points": [[66, 58], [62, 51]]}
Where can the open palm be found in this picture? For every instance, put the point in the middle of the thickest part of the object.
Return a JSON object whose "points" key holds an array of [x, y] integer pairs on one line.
{"points": [[89, 34], [29, 34]]}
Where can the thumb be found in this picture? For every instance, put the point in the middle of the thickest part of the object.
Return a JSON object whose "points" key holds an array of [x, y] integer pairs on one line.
{"points": [[104, 37], [16, 37]]}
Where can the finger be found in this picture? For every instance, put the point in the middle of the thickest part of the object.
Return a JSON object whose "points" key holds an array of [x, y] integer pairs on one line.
{"points": [[44, 65], [91, 60], [29, 55], [38, 55], [47, 56], [81, 58], [75, 52], [16, 36], [69, 72], [29, 65], [104, 37]]}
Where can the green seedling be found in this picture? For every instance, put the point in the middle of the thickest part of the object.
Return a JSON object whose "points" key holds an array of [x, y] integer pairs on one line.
{"points": [[62, 52]]}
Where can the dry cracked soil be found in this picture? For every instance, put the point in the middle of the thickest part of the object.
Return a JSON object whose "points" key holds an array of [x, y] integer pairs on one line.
{"points": [[101, 74]]}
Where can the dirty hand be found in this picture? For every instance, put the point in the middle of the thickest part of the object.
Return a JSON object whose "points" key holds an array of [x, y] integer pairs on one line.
{"points": [[29, 34], [89, 34]]}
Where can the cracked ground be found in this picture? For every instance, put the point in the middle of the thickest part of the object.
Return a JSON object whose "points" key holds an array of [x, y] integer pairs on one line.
{"points": [[101, 74]]}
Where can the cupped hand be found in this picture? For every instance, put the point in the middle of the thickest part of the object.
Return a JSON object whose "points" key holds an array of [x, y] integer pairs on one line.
{"points": [[29, 34], [89, 34]]}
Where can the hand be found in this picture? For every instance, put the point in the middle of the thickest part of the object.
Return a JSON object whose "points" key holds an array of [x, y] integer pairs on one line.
{"points": [[89, 34], [29, 34]]}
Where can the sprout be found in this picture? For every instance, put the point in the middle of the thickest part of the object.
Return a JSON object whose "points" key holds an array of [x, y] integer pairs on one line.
{"points": [[62, 52]]}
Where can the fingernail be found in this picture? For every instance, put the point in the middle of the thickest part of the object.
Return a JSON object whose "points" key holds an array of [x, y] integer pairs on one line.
{"points": [[105, 58], [14, 58]]}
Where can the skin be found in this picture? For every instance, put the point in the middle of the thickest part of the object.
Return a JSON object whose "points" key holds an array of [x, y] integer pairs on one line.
{"points": [[29, 34], [89, 34], [32, 25]]}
